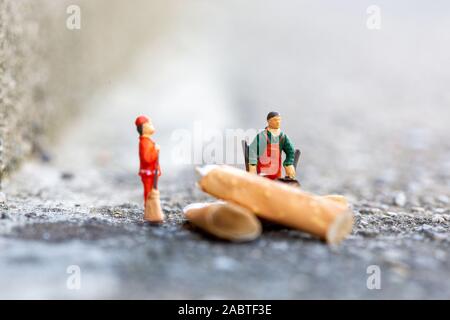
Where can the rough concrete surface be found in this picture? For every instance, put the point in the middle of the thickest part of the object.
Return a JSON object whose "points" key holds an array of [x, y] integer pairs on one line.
{"points": [[368, 128], [21, 73]]}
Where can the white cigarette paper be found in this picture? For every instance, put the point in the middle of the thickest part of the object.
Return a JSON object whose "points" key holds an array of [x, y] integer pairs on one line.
{"points": [[328, 219]]}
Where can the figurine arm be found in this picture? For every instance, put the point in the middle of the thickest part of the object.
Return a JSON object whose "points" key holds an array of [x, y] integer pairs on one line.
{"points": [[288, 163], [288, 148], [253, 152]]}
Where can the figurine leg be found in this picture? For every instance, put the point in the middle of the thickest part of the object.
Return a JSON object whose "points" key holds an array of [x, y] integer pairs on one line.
{"points": [[148, 185], [153, 212]]}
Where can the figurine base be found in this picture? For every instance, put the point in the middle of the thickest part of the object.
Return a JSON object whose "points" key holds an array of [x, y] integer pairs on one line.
{"points": [[290, 181], [153, 212]]}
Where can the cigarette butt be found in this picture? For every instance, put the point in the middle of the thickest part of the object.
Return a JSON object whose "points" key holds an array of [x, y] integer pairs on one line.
{"points": [[328, 219], [224, 220], [338, 198]]}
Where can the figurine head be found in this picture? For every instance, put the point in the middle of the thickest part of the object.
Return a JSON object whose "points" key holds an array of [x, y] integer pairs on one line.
{"points": [[144, 126], [274, 120]]}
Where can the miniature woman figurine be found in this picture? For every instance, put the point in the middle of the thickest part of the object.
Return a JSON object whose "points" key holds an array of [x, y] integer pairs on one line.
{"points": [[149, 169], [265, 151]]}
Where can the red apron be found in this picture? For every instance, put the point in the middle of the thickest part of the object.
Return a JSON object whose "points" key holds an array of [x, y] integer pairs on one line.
{"points": [[147, 181], [269, 163]]}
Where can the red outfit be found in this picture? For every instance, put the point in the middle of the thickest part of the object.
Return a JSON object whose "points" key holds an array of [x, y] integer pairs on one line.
{"points": [[269, 163], [148, 156]]}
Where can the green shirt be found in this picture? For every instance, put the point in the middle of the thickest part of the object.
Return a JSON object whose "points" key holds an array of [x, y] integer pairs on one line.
{"points": [[259, 144]]}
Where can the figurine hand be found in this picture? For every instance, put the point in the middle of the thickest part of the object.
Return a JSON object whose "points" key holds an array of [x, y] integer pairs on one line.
{"points": [[252, 169], [157, 147], [290, 171]]}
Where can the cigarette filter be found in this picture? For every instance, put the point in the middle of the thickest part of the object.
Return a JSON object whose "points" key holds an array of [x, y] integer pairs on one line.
{"points": [[328, 219], [224, 220]]}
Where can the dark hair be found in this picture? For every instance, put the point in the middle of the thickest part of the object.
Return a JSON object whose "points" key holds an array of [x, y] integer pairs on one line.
{"points": [[272, 114], [139, 129]]}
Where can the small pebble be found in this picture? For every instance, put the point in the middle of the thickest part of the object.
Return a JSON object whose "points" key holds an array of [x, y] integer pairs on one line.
{"points": [[438, 219], [2, 197], [400, 199]]}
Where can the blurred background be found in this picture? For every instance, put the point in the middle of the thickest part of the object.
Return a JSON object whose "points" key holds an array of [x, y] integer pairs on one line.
{"points": [[369, 109], [228, 64]]}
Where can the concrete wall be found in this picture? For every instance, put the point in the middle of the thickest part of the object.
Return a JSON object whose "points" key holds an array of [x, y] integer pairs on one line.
{"points": [[47, 70], [20, 88]]}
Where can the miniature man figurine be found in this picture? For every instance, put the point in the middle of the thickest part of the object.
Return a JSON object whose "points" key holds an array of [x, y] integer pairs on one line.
{"points": [[149, 169], [265, 151]]}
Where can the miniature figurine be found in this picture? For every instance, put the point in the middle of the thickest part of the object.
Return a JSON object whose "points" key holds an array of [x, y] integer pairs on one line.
{"points": [[264, 153], [149, 169]]}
